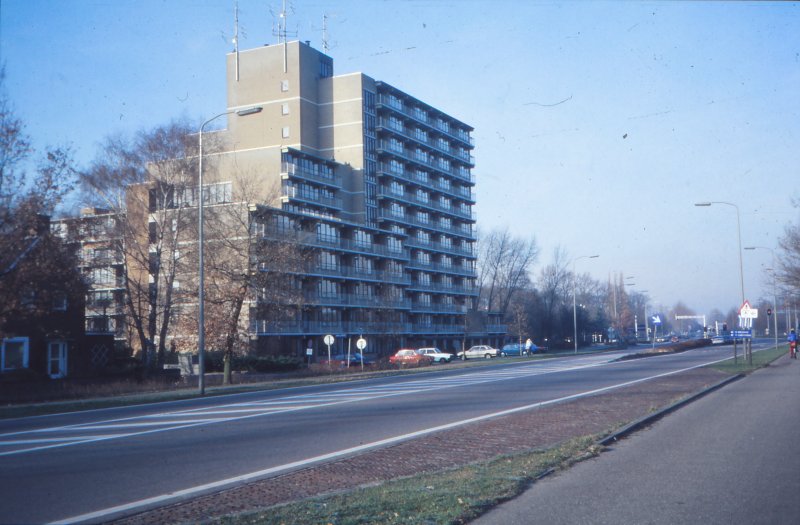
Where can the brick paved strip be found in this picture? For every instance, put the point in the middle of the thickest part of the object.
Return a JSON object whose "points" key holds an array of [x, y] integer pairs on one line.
{"points": [[538, 428]]}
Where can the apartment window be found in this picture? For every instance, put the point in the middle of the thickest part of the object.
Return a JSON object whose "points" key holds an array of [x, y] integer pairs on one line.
{"points": [[445, 223], [422, 196], [420, 114], [394, 267], [397, 189], [369, 100], [444, 202], [447, 242], [369, 148], [396, 167], [396, 145], [362, 265], [443, 144], [397, 211], [394, 245], [362, 238], [424, 320], [420, 155], [364, 290], [447, 262], [328, 288], [424, 279], [285, 133], [399, 230], [421, 135], [284, 109], [422, 217], [422, 176], [424, 299], [325, 70], [369, 123], [395, 102], [396, 124], [444, 164], [447, 281], [467, 229], [327, 233], [424, 258], [328, 260], [423, 238], [444, 183], [284, 85], [14, 354]]}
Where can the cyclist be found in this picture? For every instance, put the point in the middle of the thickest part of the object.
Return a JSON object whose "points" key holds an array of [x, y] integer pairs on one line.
{"points": [[793, 345]]}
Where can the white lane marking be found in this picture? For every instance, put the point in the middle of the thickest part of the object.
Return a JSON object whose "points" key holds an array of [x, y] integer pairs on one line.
{"points": [[334, 455], [312, 400]]}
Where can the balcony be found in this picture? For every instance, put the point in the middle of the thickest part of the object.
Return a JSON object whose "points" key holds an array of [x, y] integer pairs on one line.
{"points": [[387, 147], [334, 243], [435, 308], [289, 170], [455, 289], [433, 225], [424, 118], [430, 203], [352, 272], [439, 247], [454, 152], [354, 300], [310, 197], [461, 193], [416, 264], [330, 327]]}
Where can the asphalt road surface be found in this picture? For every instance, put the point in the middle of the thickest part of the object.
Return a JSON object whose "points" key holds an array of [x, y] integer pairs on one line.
{"points": [[93, 466], [727, 458]]}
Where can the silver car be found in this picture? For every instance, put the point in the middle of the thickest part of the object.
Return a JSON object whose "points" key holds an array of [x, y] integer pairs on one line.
{"points": [[437, 355], [480, 351]]}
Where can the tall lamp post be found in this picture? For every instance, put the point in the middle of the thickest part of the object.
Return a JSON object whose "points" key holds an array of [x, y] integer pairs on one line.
{"points": [[739, 233], [574, 307], [774, 295], [200, 316]]}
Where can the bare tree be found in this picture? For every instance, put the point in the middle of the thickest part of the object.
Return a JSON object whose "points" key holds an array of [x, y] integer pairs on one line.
{"points": [[554, 287], [149, 182], [504, 262]]}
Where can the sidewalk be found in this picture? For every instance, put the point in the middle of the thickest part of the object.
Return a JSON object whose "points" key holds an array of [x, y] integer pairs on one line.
{"points": [[730, 457], [534, 429]]}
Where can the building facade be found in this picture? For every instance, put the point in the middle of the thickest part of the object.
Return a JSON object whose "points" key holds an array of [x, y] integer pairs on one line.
{"points": [[377, 183]]}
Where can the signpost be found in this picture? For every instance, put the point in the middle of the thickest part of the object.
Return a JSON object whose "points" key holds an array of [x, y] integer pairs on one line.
{"points": [[656, 320], [746, 316], [328, 340], [361, 344]]}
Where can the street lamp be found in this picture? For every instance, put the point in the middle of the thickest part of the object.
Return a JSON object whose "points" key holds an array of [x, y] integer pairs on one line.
{"points": [[739, 232], [774, 296], [574, 308], [200, 317]]}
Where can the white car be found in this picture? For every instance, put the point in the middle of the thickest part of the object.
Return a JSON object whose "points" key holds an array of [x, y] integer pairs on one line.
{"points": [[480, 351], [437, 355]]}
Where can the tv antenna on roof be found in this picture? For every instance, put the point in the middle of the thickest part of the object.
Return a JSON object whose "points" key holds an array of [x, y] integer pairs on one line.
{"points": [[326, 42], [282, 32]]}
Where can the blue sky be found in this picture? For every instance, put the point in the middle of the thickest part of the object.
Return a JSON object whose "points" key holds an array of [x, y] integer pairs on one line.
{"points": [[598, 125]]}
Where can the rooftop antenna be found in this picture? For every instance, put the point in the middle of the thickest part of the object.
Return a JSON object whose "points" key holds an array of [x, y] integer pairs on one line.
{"points": [[282, 32], [325, 39], [236, 41]]}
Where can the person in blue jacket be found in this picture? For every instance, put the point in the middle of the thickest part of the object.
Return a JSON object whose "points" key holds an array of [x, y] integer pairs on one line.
{"points": [[793, 345]]}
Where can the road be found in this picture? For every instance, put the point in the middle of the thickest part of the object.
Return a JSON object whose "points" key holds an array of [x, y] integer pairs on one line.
{"points": [[727, 458], [92, 466]]}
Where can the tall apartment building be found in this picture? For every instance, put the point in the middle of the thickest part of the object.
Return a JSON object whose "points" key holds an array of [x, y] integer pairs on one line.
{"points": [[381, 186]]}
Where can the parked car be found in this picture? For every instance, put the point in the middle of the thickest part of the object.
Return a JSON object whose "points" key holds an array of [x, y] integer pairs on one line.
{"points": [[480, 351], [436, 354], [718, 340], [674, 339], [342, 360], [516, 349], [409, 356]]}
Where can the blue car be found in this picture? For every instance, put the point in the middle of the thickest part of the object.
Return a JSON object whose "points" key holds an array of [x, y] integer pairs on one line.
{"points": [[517, 349]]}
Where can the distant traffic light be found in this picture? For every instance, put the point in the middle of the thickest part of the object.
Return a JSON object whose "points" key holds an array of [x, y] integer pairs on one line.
{"points": [[769, 312], [724, 328]]}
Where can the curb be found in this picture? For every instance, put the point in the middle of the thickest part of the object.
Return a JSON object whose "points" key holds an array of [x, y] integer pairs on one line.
{"points": [[647, 420]]}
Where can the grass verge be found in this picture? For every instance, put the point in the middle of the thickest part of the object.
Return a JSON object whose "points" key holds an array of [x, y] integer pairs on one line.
{"points": [[760, 360], [450, 496]]}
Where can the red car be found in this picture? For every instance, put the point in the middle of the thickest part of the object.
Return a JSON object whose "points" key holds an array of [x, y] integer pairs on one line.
{"points": [[409, 356]]}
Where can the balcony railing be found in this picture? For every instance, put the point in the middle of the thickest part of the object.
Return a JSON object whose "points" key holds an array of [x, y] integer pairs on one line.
{"points": [[454, 152], [352, 272], [310, 197], [333, 328], [411, 220], [439, 247], [435, 308], [425, 119], [416, 264], [335, 243], [387, 146], [443, 288], [430, 203], [289, 169], [410, 176], [355, 300]]}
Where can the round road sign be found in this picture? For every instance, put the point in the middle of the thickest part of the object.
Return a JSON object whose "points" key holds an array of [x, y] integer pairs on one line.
{"points": [[361, 344], [328, 339]]}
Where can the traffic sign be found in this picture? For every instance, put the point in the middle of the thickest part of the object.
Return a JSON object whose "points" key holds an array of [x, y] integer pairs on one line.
{"points": [[655, 319], [328, 340], [741, 334], [747, 311], [361, 344]]}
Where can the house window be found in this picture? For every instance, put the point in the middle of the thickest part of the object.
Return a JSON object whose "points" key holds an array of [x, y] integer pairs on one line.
{"points": [[285, 133], [325, 70], [14, 354], [284, 109], [59, 301], [284, 85]]}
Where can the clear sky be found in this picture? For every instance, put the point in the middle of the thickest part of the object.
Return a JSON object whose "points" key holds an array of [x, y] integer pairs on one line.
{"points": [[598, 125]]}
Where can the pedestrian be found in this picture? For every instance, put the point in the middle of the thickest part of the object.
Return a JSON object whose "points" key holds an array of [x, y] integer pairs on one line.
{"points": [[528, 345], [793, 345]]}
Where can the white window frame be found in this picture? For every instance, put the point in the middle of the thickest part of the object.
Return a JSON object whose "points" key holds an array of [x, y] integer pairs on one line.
{"points": [[285, 133], [284, 86], [25, 347], [284, 109]]}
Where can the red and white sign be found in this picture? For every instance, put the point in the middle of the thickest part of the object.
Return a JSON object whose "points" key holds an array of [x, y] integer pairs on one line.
{"points": [[747, 311]]}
